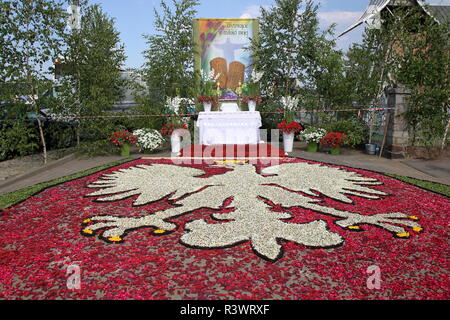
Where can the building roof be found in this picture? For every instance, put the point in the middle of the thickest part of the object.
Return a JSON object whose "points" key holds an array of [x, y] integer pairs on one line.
{"points": [[374, 8], [440, 13], [128, 100]]}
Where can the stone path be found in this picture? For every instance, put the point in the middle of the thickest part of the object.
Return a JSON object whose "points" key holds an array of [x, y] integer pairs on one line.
{"points": [[430, 170], [19, 166]]}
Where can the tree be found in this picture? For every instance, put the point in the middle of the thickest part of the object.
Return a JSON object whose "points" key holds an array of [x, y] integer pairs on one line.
{"points": [[423, 57], [169, 67], [292, 52], [362, 69], [31, 38], [412, 50], [368, 69], [92, 60]]}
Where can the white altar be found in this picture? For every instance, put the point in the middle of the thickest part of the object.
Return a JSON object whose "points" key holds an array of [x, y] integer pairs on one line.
{"points": [[221, 127]]}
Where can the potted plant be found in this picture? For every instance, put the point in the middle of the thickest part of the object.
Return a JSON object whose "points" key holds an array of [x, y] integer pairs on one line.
{"points": [[173, 131], [148, 140], [250, 92], [207, 102], [313, 136], [208, 95], [335, 140], [170, 127], [251, 101], [289, 126], [123, 139]]}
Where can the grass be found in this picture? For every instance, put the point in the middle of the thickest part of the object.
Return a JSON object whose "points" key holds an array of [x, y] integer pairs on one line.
{"points": [[10, 199], [428, 185]]}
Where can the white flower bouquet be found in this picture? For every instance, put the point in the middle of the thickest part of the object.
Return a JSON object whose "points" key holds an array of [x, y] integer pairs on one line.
{"points": [[313, 135], [149, 140], [290, 103], [174, 104]]}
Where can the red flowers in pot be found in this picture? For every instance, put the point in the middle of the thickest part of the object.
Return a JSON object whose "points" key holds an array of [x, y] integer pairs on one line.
{"points": [[334, 139], [290, 127], [121, 137], [169, 128], [247, 99], [207, 99]]}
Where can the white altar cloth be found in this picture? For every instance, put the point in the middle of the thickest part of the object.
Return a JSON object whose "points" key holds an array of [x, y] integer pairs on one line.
{"points": [[229, 127]]}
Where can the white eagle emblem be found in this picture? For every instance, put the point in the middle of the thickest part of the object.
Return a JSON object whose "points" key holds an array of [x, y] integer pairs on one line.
{"points": [[252, 218]]}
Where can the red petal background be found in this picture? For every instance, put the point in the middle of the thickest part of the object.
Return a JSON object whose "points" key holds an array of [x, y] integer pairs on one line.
{"points": [[41, 236]]}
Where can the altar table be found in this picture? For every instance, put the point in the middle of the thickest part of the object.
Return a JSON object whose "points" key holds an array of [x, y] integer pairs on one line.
{"points": [[229, 127]]}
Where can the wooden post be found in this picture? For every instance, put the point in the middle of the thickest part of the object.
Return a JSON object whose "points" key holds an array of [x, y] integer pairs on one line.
{"points": [[386, 125], [445, 135]]}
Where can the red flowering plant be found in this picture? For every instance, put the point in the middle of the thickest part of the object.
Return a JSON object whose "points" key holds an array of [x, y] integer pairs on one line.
{"points": [[32, 269], [246, 99], [207, 99], [334, 139], [290, 127], [121, 137], [168, 129]]}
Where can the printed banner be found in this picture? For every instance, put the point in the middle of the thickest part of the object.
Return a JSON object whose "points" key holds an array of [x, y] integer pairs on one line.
{"points": [[222, 45]]}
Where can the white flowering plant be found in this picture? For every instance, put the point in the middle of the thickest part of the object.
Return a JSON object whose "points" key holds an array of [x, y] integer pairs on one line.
{"points": [[207, 91], [290, 104], [149, 140], [174, 104], [313, 135], [208, 83], [251, 90]]}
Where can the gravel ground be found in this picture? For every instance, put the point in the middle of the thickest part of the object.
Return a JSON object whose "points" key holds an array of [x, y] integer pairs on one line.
{"points": [[18, 166]]}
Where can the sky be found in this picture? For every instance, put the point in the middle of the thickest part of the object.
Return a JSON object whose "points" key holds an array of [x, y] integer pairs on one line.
{"points": [[134, 18]]}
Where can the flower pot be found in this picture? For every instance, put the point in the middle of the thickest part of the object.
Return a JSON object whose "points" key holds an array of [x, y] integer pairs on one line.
{"points": [[312, 146], [125, 150], [336, 150], [371, 148], [288, 142], [207, 107], [252, 106], [175, 142]]}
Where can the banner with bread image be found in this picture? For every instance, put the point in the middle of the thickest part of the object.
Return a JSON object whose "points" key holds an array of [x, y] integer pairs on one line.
{"points": [[221, 46]]}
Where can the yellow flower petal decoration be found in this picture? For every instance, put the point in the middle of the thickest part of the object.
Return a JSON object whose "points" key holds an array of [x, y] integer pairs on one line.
{"points": [[87, 231], [231, 161], [115, 239], [354, 227], [414, 217], [403, 235], [159, 231], [87, 221], [417, 229]]}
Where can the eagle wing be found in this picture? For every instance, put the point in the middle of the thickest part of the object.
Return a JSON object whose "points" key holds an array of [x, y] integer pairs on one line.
{"points": [[150, 182]]}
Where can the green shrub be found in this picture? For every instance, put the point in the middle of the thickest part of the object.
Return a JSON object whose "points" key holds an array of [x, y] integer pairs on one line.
{"points": [[59, 135], [96, 148], [356, 129], [17, 139], [95, 135]]}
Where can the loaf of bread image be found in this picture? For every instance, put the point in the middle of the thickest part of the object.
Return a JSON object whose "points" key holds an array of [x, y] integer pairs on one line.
{"points": [[220, 65], [235, 75]]}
